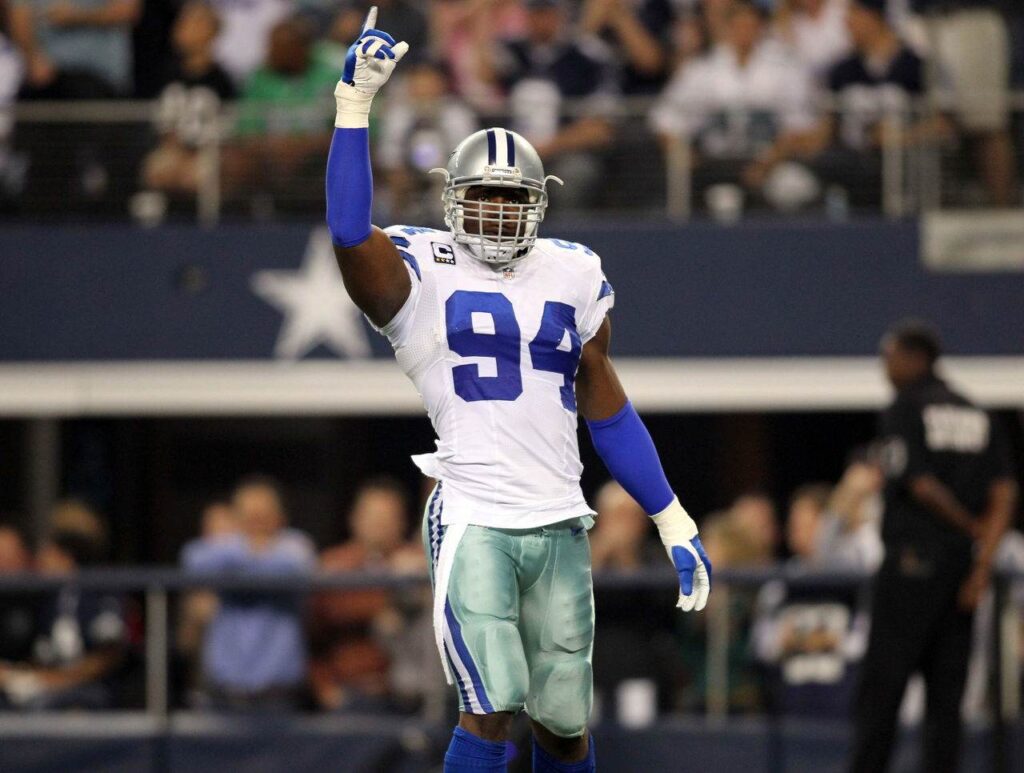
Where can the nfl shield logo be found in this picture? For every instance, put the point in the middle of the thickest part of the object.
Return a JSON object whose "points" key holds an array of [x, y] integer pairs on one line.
{"points": [[508, 273]]}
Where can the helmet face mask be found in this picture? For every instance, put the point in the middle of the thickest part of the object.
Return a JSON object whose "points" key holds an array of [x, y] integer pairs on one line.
{"points": [[500, 231]]}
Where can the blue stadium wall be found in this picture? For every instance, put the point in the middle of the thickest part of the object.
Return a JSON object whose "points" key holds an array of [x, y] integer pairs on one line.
{"points": [[753, 290]]}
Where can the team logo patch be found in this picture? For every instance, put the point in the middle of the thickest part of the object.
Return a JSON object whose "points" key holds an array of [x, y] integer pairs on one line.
{"points": [[443, 253]]}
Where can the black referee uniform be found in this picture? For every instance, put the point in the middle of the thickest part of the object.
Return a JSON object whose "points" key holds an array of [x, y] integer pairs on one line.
{"points": [[942, 457]]}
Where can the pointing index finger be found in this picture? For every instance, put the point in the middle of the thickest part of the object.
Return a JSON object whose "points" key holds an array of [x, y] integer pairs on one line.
{"points": [[371, 19]]}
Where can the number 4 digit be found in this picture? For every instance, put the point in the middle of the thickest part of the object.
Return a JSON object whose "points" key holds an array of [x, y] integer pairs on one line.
{"points": [[558, 321]]}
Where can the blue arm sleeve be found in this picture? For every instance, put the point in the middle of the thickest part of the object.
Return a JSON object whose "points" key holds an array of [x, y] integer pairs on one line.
{"points": [[624, 444], [349, 187]]}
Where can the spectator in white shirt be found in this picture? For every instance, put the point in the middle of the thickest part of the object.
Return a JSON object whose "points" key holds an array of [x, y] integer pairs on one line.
{"points": [[733, 102], [815, 31], [245, 33]]}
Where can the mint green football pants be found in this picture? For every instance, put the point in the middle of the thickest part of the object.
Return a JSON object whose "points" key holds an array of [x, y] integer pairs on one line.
{"points": [[519, 619]]}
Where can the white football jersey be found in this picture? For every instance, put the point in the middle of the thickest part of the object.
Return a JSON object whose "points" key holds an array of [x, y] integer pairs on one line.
{"points": [[493, 353]]}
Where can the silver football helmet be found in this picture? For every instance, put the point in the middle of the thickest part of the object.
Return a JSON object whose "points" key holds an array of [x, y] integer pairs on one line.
{"points": [[495, 232]]}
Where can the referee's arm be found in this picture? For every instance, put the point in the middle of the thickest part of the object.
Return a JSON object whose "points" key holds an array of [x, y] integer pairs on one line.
{"points": [[993, 524], [1002, 502], [995, 520], [938, 498]]}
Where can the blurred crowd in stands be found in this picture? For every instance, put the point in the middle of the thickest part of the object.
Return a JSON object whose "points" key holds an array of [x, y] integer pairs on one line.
{"points": [[781, 103], [790, 648]]}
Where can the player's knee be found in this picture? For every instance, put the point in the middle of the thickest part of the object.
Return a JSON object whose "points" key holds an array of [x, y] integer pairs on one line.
{"points": [[499, 654], [490, 727], [562, 697]]}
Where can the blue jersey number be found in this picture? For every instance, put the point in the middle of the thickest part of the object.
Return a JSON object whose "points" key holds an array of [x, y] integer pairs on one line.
{"points": [[502, 345], [558, 326]]}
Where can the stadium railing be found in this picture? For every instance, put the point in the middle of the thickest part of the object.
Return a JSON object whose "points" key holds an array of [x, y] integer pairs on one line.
{"points": [[84, 159], [158, 584], [999, 732]]}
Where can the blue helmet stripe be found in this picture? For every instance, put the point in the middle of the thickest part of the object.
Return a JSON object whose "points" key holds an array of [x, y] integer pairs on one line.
{"points": [[492, 147], [510, 149]]}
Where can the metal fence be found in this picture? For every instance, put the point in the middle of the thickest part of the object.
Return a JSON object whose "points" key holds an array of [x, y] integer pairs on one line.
{"points": [[157, 587], [158, 718], [150, 161]]}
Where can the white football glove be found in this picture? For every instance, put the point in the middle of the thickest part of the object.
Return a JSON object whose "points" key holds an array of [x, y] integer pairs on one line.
{"points": [[679, 536], [368, 65]]}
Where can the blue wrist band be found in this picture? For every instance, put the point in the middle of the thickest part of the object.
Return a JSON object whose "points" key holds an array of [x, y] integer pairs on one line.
{"points": [[624, 444], [349, 187]]}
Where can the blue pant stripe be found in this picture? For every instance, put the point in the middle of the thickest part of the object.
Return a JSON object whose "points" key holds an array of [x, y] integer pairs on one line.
{"points": [[458, 677], [460, 647]]}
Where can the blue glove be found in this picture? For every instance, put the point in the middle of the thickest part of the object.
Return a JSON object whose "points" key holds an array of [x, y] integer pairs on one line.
{"points": [[678, 534], [694, 570]]}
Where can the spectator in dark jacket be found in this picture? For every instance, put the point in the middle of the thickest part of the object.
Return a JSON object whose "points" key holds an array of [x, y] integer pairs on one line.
{"points": [[82, 636], [540, 73], [880, 79], [639, 33], [189, 104]]}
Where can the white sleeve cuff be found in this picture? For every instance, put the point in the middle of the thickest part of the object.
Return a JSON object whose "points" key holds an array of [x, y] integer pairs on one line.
{"points": [[353, 107], [675, 525]]}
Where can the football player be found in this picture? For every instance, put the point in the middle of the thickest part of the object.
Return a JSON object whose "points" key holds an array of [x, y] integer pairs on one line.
{"points": [[505, 336]]}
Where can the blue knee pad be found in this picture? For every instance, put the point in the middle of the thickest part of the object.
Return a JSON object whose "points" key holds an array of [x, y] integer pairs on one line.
{"points": [[545, 763], [469, 754]]}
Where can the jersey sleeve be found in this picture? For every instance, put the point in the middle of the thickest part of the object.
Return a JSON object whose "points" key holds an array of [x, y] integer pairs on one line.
{"points": [[399, 328], [600, 299]]}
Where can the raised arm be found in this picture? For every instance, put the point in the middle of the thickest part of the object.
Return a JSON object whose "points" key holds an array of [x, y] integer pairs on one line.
{"points": [[624, 444], [371, 267]]}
